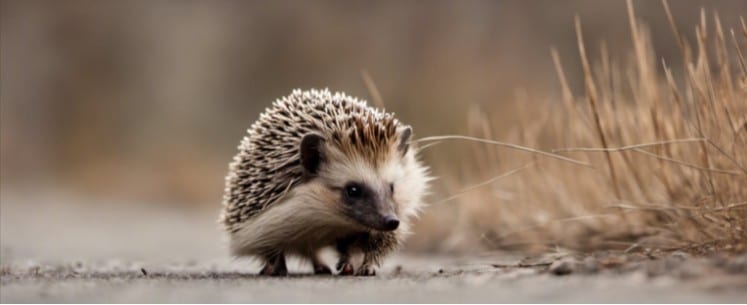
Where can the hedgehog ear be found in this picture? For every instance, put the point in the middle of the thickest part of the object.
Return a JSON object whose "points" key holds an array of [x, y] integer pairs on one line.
{"points": [[404, 140], [311, 152]]}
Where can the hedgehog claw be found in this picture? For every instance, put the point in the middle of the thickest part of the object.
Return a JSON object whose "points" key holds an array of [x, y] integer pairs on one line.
{"points": [[345, 269]]}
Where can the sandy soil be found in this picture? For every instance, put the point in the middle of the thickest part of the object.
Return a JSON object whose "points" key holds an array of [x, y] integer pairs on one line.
{"points": [[103, 252]]}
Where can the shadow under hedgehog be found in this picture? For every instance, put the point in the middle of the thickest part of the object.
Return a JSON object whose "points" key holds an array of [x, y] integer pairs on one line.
{"points": [[319, 169]]}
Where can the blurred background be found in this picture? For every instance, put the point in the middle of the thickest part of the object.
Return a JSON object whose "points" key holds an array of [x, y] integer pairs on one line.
{"points": [[118, 118]]}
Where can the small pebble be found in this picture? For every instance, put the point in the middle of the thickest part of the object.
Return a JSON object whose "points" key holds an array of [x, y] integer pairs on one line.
{"points": [[397, 270], [563, 266]]}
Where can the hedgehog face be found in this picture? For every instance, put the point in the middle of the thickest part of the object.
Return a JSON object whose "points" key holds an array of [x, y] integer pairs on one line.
{"points": [[362, 190], [368, 205]]}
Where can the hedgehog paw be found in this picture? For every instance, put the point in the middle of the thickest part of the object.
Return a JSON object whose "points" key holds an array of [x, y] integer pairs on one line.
{"points": [[345, 268], [366, 271]]}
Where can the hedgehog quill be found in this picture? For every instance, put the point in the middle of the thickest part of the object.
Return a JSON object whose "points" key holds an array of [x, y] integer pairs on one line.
{"points": [[319, 170]]}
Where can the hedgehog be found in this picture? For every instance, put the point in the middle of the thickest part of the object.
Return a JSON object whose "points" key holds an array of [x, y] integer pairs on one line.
{"points": [[321, 170]]}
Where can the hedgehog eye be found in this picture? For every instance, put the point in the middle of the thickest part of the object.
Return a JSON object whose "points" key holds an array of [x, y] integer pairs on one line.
{"points": [[353, 191], [391, 188]]}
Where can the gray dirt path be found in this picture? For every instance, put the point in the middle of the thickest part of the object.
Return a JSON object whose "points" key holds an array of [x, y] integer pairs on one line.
{"points": [[52, 251]]}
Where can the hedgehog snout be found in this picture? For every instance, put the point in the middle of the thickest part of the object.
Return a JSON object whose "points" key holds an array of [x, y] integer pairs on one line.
{"points": [[387, 217], [391, 223]]}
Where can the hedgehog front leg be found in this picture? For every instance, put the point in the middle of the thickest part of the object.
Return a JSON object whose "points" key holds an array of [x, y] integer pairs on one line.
{"points": [[368, 267], [275, 265], [344, 266], [375, 247]]}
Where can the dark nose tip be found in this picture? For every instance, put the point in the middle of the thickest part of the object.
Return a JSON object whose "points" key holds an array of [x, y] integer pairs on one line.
{"points": [[391, 223]]}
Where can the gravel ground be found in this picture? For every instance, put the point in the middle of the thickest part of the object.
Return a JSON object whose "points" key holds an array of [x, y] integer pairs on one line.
{"points": [[119, 252]]}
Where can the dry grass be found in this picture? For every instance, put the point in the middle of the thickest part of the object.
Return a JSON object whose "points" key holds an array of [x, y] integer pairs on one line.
{"points": [[668, 155]]}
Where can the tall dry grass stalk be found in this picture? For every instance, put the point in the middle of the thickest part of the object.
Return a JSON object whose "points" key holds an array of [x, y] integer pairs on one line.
{"points": [[669, 155]]}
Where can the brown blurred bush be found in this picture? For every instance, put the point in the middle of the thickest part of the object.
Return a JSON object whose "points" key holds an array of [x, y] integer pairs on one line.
{"points": [[148, 99]]}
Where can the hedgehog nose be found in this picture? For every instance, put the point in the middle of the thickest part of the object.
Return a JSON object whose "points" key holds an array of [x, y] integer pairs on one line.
{"points": [[391, 223]]}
